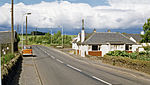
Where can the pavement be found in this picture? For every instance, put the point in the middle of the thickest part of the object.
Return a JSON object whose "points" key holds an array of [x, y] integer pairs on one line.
{"points": [[29, 74], [53, 67]]}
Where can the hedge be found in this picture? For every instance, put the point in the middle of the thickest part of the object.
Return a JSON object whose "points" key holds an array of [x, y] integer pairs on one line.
{"points": [[126, 62]]}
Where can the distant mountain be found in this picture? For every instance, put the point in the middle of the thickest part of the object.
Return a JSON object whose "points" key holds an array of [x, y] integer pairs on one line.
{"points": [[75, 31]]}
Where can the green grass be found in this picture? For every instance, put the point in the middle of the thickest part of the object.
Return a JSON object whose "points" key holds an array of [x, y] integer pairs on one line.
{"points": [[6, 58], [34, 43]]}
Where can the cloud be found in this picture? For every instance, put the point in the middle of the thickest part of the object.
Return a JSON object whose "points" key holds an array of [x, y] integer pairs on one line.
{"points": [[118, 14]]}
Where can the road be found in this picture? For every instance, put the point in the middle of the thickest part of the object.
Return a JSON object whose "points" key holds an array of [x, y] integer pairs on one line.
{"points": [[57, 68]]}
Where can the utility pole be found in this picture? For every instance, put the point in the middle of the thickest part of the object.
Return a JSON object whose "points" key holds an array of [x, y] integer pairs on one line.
{"points": [[18, 29], [62, 37], [12, 27], [51, 36], [26, 30]]}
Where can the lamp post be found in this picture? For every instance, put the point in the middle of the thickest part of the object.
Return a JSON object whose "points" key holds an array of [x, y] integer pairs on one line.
{"points": [[62, 35], [26, 26], [51, 37]]}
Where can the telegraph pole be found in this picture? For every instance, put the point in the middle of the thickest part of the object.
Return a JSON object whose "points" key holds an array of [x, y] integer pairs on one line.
{"points": [[18, 29], [51, 36], [62, 37], [12, 27], [26, 30]]}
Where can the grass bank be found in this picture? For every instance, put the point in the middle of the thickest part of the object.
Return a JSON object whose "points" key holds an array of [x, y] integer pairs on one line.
{"points": [[139, 65]]}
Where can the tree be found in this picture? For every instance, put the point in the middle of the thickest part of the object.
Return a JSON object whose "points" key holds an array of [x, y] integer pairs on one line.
{"points": [[146, 36]]}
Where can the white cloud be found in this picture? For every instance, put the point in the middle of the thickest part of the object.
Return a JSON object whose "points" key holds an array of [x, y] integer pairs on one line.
{"points": [[119, 14]]}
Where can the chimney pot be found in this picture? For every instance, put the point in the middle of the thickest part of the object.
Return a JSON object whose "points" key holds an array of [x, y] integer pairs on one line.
{"points": [[94, 30], [109, 30]]}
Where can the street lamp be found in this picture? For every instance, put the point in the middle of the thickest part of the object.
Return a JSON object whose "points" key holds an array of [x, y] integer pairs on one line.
{"points": [[26, 26], [51, 36], [62, 35]]}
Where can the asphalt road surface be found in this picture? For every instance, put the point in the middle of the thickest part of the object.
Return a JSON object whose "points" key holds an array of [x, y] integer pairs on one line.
{"points": [[57, 68]]}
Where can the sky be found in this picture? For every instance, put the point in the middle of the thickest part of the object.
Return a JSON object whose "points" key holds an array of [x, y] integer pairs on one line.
{"points": [[117, 15]]}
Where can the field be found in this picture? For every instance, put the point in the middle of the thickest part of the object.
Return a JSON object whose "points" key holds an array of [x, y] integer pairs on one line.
{"points": [[46, 39]]}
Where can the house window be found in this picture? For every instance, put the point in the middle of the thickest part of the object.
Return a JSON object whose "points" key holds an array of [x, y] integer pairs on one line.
{"points": [[94, 47], [128, 47], [99, 48]]}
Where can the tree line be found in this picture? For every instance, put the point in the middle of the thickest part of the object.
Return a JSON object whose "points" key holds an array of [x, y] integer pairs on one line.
{"points": [[55, 39]]}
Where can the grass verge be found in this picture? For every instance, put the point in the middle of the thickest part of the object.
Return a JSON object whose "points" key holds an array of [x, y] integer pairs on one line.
{"points": [[139, 65]]}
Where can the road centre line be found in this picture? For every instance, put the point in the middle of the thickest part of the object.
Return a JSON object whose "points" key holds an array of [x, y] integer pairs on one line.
{"points": [[59, 61], [101, 80], [53, 57], [74, 68], [48, 54], [94, 77]]}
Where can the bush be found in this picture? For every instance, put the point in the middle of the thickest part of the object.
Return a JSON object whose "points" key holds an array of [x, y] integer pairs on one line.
{"points": [[135, 55], [7, 58], [139, 65], [118, 53]]}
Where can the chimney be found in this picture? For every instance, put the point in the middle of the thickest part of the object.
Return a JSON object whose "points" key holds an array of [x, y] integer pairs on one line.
{"points": [[82, 32], [109, 30], [82, 24], [94, 30]]}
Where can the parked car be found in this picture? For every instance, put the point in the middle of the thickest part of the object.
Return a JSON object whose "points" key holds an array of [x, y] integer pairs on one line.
{"points": [[27, 50]]}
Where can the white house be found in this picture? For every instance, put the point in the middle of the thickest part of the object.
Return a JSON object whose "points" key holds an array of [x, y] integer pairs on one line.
{"points": [[100, 43]]}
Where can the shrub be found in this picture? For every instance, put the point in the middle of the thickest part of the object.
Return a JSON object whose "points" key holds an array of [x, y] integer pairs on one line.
{"points": [[7, 58], [139, 65], [135, 55]]}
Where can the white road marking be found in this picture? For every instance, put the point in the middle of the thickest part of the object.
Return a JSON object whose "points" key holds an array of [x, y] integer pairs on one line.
{"points": [[59, 61], [101, 80], [53, 57], [74, 68]]}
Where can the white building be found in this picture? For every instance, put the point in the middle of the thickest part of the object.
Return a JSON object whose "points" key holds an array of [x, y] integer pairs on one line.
{"points": [[100, 43]]}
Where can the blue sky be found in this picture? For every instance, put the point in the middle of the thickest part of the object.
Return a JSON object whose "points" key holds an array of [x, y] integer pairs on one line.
{"points": [[28, 2], [117, 15]]}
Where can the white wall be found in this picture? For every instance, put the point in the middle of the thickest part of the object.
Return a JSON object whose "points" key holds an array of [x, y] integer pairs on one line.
{"points": [[75, 46], [105, 49], [117, 47], [83, 49], [145, 44], [82, 36], [136, 47]]}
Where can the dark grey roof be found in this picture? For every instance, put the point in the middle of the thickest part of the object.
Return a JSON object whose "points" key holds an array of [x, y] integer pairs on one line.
{"points": [[137, 37], [5, 37], [108, 37], [87, 35], [74, 41]]}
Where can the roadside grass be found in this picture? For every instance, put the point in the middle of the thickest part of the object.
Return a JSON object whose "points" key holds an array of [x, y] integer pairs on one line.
{"points": [[139, 65], [6, 58], [139, 61]]}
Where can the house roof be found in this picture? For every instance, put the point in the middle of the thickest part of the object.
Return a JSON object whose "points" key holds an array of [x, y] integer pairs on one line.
{"points": [[136, 37], [87, 35], [5, 37], [108, 37]]}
